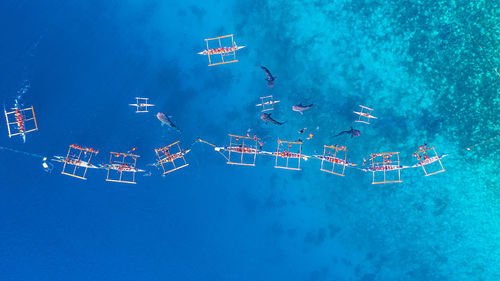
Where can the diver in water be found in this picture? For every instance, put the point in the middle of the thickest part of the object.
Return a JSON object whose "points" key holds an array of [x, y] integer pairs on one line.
{"points": [[47, 166]]}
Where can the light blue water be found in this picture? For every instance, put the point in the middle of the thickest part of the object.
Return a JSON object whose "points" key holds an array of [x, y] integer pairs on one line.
{"points": [[418, 64]]}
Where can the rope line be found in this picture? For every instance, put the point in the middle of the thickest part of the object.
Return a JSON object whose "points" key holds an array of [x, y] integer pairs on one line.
{"points": [[219, 150]]}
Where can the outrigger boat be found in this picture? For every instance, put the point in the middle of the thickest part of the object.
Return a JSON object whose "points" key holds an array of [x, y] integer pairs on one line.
{"points": [[334, 160], [141, 105], [384, 168], [221, 50], [224, 51], [122, 168], [242, 149], [19, 120], [286, 154], [366, 113], [166, 158], [23, 123], [430, 160], [75, 162], [424, 156], [267, 103]]}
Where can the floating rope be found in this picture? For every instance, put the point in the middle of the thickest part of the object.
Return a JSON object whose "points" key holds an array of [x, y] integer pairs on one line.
{"points": [[22, 152]]}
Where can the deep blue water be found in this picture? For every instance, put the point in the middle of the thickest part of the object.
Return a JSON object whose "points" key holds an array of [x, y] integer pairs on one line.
{"points": [[419, 65]]}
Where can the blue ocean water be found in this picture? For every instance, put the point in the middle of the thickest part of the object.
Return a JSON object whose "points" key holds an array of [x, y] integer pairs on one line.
{"points": [[426, 67]]}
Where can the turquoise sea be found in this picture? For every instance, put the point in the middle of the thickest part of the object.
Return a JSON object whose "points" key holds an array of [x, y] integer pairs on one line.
{"points": [[427, 68]]}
